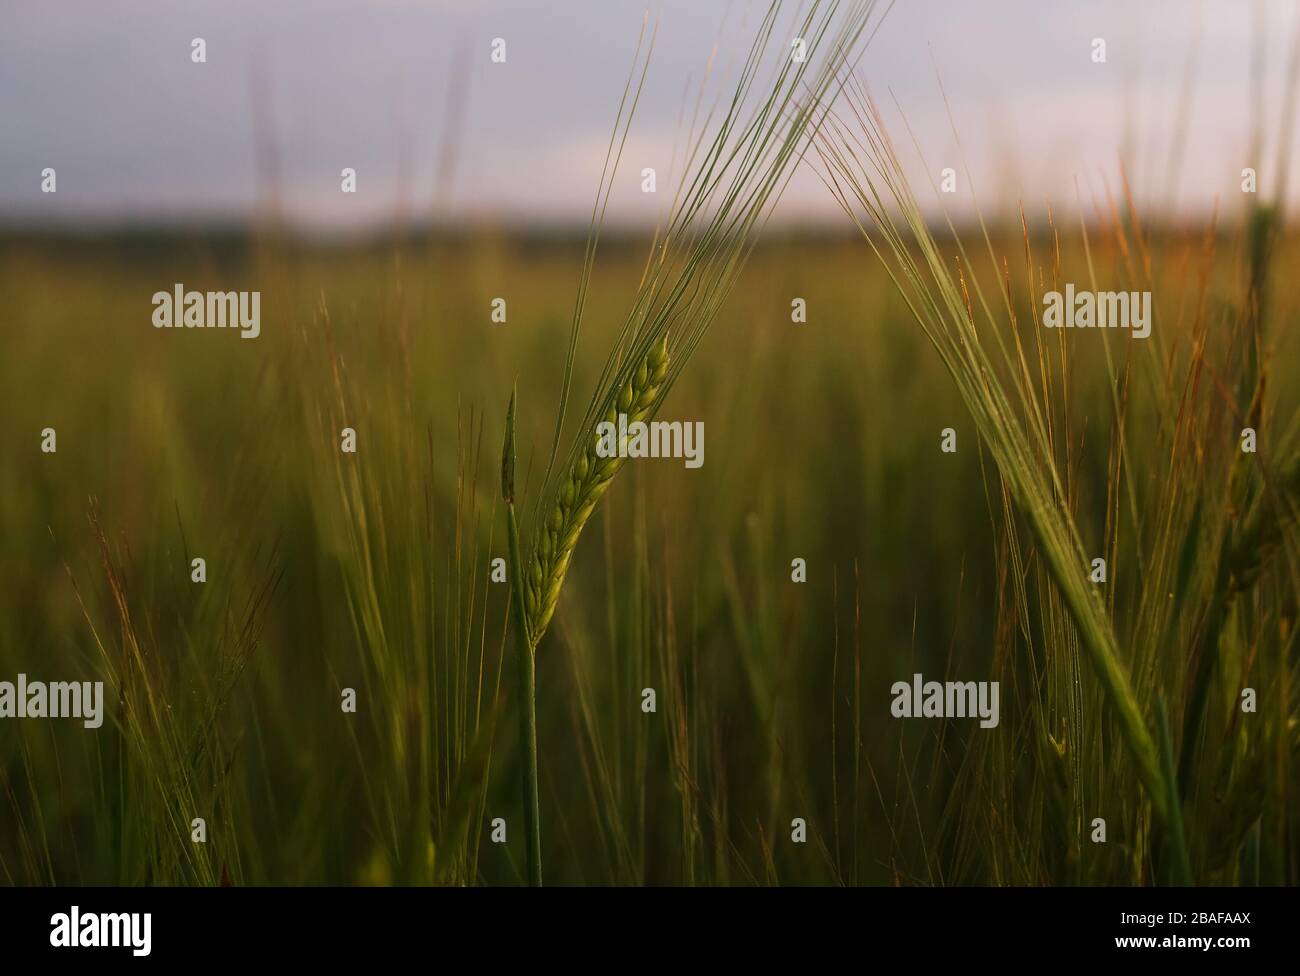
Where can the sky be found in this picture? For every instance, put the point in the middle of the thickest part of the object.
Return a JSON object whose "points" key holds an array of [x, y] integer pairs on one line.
{"points": [[406, 93]]}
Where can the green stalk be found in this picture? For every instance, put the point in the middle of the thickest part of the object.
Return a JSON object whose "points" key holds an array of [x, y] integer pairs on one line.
{"points": [[524, 660], [1182, 868]]}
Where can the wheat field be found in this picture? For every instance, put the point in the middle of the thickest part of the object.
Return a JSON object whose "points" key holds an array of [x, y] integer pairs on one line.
{"points": [[373, 604], [372, 571]]}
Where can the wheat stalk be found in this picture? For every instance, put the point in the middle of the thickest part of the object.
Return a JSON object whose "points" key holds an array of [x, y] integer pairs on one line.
{"points": [[862, 170], [534, 601], [728, 186]]}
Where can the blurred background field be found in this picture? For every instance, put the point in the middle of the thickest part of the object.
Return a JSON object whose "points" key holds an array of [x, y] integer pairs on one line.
{"points": [[371, 571]]}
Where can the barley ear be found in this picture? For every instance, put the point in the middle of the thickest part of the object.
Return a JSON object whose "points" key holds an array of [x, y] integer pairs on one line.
{"points": [[580, 489]]}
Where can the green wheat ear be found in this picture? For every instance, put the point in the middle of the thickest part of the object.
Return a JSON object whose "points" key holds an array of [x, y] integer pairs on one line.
{"points": [[582, 488]]}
